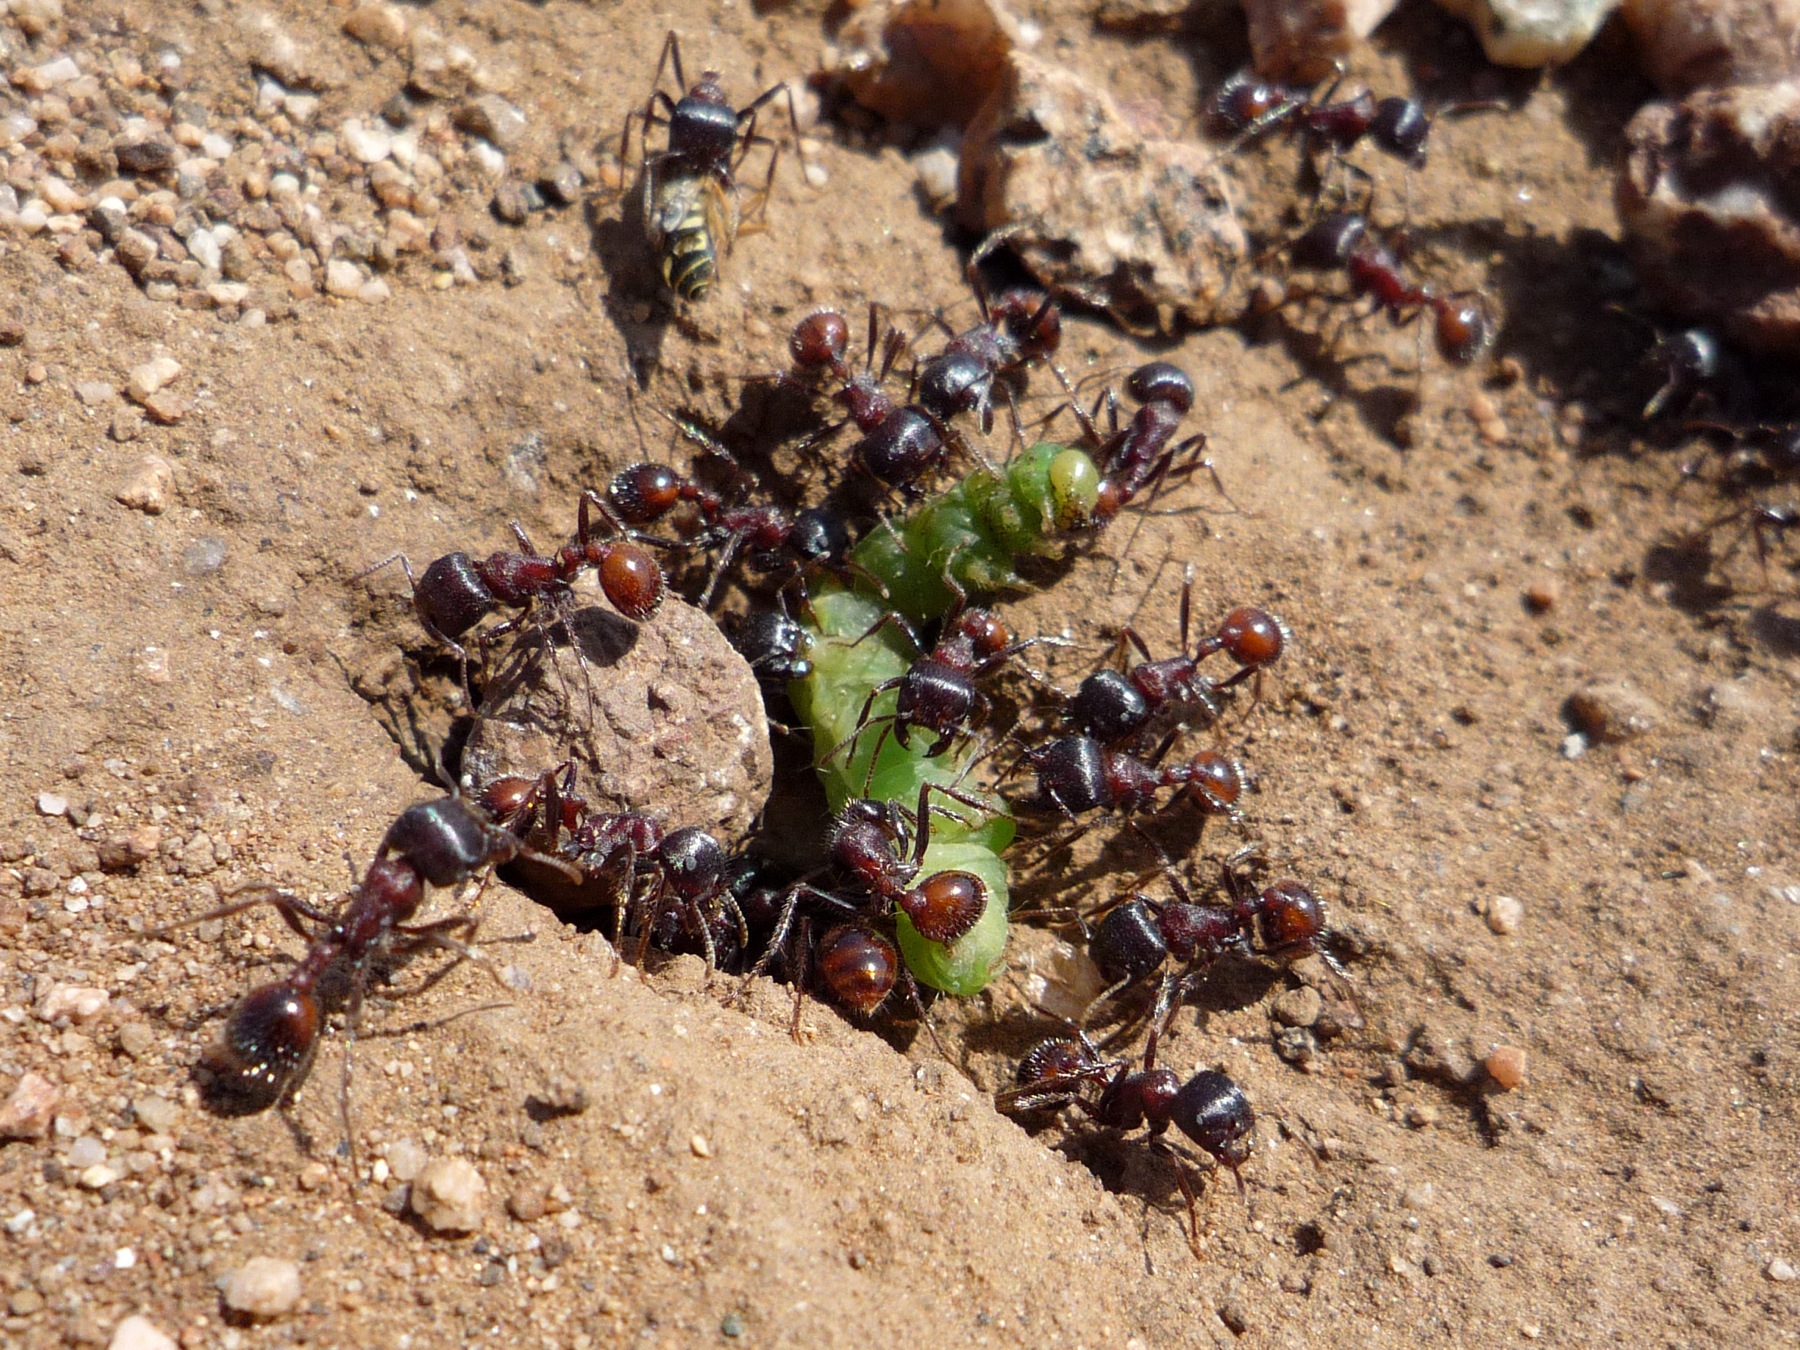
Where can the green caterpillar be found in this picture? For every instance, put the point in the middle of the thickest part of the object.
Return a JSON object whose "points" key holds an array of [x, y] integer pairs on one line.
{"points": [[973, 534]]}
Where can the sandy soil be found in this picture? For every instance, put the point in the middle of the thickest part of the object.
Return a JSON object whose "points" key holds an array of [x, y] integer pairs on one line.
{"points": [[202, 671]]}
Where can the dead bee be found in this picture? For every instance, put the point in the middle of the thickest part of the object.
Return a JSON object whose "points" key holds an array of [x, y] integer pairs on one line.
{"points": [[691, 210]]}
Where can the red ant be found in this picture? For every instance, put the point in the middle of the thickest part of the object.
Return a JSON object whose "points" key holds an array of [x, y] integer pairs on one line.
{"points": [[1209, 1108], [901, 443], [1281, 922], [1139, 455], [938, 693], [262, 1053], [456, 592], [1077, 774], [1118, 706], [1461, 325], [1017, 327], [641, 495], [1248, 106], [867, 843]]}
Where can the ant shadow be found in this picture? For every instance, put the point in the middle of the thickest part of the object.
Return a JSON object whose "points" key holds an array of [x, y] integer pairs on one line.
{"points": [[636, 299], [1687, 571]]}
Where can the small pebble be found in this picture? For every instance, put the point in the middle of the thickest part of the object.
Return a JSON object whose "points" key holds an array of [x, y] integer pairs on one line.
{"points": [[1782, 1272], [144, 380], [1504, 914], [1298, 1007], [1505, 1064], [700, 1146], [450, 1195], [52, 804], [78, 1003], [1612, 711], [86, 1151], [136, 1039], [99, 1177], [138, 1332], [1541, 596], [31, 1107], [156, 1114], [262, 1287], [149, 490], [405, 1159], [166, 408]]}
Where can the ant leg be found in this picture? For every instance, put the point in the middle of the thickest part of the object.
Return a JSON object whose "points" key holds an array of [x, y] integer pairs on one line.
{"points": [[1187, 1193], [291, 908]]}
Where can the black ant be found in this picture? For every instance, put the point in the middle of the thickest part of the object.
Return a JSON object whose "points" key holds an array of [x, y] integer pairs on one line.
{"points": [[1209, 1108], [262, 1053], [690, 186], [901, 443], [1461, 325], [937, 693], [1017, 328], [456, 592]]}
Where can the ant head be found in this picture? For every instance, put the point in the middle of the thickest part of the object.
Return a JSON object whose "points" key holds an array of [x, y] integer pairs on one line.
{"points": [[1253, 637], [858, 965], [1463, 329], [946, 905], [987, 632], [1032, 320], [1289, 915], [1217, 779], [692, 861], [632, 580], [642, 494], [820, 340], [1161, 382], [1246, 99], [819, 534]]}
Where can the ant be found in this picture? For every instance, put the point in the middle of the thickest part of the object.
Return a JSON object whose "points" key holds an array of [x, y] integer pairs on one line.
{"points": [[1076, 774], [1017, 327], [1762, 520], [901, 443], [1209, 1108], [1138, 455], [1282, 922], [267, 1043], [774, 644], [1248, 106], [856, 958], [456, 592], [937, 692], [690, 187], [1461, 326], [1117, 706]]}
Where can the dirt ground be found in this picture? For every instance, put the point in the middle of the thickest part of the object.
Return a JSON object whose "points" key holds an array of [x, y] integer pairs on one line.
{"points": [[187, 674]]}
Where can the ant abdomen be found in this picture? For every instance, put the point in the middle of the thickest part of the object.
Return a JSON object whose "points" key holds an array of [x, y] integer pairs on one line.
{"points": [[858, 965], [1161, 382], [1462, 330], [443, 841], [1252, 637], [1128, 943], [1213, 1111], [946, 905], [268, 1036], [1057, 1057], [451, 596]]}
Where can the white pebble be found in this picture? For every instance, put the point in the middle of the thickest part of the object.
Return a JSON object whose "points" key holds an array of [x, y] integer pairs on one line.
{"points": [[138, 1332], [1505, 914], [205, 249], [77, 1002], [99, 1177], [1782, 1272], [342, 277], [367, 144], [405, 1159], [52, 804], [450, 1195], [144, 380], [86, 1151], [262, 1287], [124, 1259]]}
